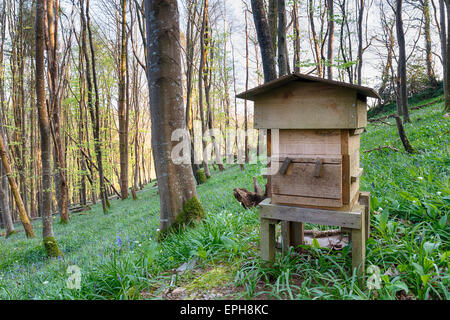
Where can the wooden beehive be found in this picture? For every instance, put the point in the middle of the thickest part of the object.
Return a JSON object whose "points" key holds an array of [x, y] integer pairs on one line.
{"points": [[319, 124]]}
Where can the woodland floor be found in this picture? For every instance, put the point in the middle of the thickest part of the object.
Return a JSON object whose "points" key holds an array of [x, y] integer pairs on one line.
{"points": [[120, 259]]}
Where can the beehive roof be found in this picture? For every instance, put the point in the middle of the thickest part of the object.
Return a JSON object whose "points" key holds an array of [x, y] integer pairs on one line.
{"points": [[267, 87]]}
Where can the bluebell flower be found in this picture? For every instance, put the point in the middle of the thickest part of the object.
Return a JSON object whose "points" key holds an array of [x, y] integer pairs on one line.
{"points": [[120, 279], [373, 185], [119, 241]]}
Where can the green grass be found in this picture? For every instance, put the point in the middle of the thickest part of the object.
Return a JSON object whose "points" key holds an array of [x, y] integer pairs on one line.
{"points": [[119, 257]]}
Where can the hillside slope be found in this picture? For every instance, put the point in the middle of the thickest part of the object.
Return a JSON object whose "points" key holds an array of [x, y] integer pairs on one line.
{"points": [[119, 258]]}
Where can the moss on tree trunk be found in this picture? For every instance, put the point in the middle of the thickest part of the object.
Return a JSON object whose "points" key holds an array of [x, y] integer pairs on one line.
{"points": [[51, 246], [192, 212]]}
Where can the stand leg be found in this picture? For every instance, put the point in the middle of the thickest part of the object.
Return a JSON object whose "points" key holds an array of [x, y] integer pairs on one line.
{"points": [[364, 199], [359, 246], [291, 234], [297, 233], [267, 240], [285, 236]]}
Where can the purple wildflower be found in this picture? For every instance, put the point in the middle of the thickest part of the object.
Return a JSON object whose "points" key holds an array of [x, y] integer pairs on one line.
{"points": [[119, 241]]}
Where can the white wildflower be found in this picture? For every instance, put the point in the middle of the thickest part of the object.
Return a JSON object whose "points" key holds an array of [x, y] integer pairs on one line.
{"points": [[420, 178], [439, 193], [45, 282]]}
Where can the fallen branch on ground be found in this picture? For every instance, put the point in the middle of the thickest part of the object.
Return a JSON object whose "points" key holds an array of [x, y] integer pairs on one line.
{"points": [[381, 148], [322, 234]]}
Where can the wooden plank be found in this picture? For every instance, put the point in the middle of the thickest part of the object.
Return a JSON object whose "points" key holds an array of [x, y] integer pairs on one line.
{"points": [[364, 199], [296, 158], [359, 247], [267, 240], [305, 201], [298, 214], [355, 132], [361, 113], [357, 175], [345, 167], [306, 105], [309, 142], [269, 154], [299, 180]]}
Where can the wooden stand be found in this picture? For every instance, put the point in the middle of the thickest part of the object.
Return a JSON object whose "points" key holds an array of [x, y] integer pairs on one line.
{"points": [[356, 222]]}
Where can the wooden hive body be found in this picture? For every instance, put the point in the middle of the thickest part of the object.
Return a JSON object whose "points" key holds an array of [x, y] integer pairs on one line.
{"points": [[333, 183], [318, 124]]}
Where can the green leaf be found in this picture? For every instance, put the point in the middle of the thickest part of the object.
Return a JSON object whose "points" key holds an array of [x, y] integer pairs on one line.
{"points": [[443, 222], [429, 247], [425, 278], [316, 243], [400, 285], [418, 268]]}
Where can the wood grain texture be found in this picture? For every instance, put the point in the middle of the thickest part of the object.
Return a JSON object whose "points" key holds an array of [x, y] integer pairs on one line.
{"points": [[306, 106], [267, 243], [351, 219], [299, 180]]}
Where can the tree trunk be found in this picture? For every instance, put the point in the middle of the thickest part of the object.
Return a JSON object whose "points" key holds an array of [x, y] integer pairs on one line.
{"points": [[428, 48], [402, 102], [50, 243], [296, 38], [123, 105], [273, 22], [283, 58], [203, 56], [176, 184], [330, 38], [264, 39], [94, 110], [443, 36], [360, 40], [15, 190], [401, 132], [447, 73], [318, 56]]}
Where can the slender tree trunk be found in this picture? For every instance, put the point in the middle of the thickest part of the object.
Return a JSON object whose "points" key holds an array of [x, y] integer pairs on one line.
{"points": [[401, 132], [360, 40], [283, 58], [447, 73], [273, 22], [296, 38], [265, 40], [95, 113], [315, 43], [15, 190], [50, 243], [4, 187], [443, 36], [203, 57], [4, 203], [428, 48], [330, 39], [122, 105], [176, 182], [402, 104]]}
